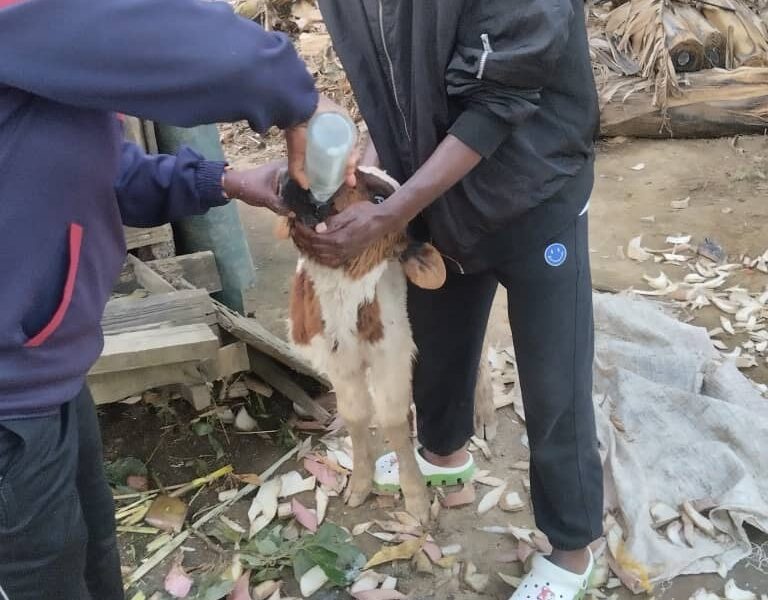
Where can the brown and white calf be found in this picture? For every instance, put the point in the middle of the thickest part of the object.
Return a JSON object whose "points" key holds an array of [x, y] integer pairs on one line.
{"points": [[352, 324]]}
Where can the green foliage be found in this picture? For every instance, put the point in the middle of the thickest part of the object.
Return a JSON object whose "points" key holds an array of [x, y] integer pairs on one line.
{"points": [[330, 549]]}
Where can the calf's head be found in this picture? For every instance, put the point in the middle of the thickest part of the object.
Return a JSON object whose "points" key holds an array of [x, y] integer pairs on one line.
{"points": [[421, 261]]}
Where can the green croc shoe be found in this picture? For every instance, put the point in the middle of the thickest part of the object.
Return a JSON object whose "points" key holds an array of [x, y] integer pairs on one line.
{"points": [[387, 476]]}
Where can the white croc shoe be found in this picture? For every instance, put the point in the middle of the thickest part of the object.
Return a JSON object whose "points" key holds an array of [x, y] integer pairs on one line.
{"points": [[547, 581], [386, 478]]}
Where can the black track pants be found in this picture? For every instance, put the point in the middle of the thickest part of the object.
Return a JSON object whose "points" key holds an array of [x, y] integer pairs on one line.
{"points": [[57, 516], [550, 313]]}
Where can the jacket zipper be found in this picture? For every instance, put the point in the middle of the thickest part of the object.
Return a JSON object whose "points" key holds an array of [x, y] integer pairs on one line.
{"points": [[397, 99], [487, 51], [391, 69]]}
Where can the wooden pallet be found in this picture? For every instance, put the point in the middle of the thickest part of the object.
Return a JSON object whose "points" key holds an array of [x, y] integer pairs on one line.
{"points": [[158, 336]]}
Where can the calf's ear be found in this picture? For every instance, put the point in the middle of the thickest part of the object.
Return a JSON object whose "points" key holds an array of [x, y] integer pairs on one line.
{"points": [[282, 230], [423, 266]]}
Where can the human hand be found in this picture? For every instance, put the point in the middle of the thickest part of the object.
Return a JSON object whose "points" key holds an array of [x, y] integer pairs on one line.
{"points": [[345, 236], [257, 187], [296, 140]]}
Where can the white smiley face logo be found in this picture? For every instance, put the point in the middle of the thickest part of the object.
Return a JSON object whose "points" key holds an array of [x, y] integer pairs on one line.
{"points": [[555, 255]]}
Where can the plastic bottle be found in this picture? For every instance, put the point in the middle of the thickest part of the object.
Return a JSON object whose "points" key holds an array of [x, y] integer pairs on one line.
{"points": [[331, 138]]}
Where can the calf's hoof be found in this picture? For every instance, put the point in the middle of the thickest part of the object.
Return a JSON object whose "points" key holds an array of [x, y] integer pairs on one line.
{"points": [[357, 492], [418, 508]]}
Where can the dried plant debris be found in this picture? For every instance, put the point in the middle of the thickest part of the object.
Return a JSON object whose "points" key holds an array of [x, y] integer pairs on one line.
{"points": [[702, 594], [635, 250], [478, 582], [463, 497], [491, 499], [699, 520], [744, 312], [733, 592], [404, 551]]}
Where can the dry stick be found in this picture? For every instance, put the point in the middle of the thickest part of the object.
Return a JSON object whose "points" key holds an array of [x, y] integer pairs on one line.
{"points": [[167, 549], [209, 542]]}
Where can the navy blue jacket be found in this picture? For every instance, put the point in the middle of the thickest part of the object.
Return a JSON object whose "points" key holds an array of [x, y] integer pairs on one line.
{"points": [[67, 180]]}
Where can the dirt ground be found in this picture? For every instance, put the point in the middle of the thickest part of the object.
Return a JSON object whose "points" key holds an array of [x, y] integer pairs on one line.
{"points": [[726, 183]]}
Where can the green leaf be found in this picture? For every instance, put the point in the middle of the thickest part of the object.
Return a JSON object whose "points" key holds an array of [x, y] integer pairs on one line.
{"points": [[218, 590], [267, 547], [336, 540], [120, 469], [202, 428], [224, 533], [267, 575], [331, 534], [213, 586], [253, 561], [351, 560], [327, 560], [302, 562], [216, 445]]}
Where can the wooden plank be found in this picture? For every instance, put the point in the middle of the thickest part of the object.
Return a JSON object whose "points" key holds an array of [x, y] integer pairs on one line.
{"points": [[150, 137], [134, 132], [199, 396], [113, 387], [232, 359], [184, 307], [256, 335], [149, 279], [273, 374], [198, 268], [159, 346], [140, 237]]}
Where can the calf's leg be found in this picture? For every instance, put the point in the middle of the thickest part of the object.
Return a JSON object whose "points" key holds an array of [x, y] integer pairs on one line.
{"points": [[391, 388], [356, 408]]}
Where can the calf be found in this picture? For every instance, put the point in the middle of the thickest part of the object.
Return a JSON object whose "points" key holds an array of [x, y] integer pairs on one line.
{"points": [[352, 324]]}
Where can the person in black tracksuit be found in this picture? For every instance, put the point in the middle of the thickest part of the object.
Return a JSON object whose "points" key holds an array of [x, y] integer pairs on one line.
{"points": [[487, 111]]}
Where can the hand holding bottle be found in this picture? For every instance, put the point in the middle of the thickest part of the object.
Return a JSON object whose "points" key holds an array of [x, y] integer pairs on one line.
{"points": [[297, 140]]}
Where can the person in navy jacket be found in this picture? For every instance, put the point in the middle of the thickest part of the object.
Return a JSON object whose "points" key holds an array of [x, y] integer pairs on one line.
{"points": [[68, 183]]}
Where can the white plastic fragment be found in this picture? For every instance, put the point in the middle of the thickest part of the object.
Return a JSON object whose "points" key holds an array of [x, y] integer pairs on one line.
{"points": [[312, 581], [321, 504], [368, 580], [244, 421], [264, 506], [293, 483], [390, 583]]}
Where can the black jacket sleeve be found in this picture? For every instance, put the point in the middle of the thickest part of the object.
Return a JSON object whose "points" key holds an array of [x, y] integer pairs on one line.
{"points": [[504, 55]]}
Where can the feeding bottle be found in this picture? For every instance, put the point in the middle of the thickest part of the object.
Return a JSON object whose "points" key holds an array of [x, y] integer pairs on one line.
{"points": [[331, 137]]}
